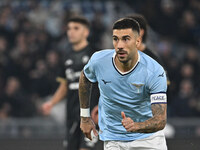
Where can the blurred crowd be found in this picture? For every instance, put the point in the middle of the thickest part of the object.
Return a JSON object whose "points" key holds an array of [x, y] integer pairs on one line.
{"points": [[32, 41]]}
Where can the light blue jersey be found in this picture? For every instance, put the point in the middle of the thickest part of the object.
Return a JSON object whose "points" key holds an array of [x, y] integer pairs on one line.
{"points": [[132, 92]]}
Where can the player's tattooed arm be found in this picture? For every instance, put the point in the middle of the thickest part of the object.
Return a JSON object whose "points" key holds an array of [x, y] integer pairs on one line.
{"points": [[156, 123], [85, 88]]}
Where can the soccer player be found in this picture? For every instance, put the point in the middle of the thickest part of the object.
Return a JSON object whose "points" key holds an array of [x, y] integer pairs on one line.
{"points": [[77, 33], [142, 47], [133, 102]]}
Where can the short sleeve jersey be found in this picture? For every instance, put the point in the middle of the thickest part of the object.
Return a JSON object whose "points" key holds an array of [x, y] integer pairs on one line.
{"points": [[132, 92]]}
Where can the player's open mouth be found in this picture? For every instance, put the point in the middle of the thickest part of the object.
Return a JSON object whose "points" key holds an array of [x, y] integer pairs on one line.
{"points": [[121, 54]]}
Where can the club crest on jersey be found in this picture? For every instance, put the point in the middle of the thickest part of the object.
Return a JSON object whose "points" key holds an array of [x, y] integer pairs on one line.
{"points": [[85, 59], [138, 86], [68, 62]]}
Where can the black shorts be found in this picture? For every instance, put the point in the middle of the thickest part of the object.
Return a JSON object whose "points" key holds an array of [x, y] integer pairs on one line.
{"points": [[75, 139]]}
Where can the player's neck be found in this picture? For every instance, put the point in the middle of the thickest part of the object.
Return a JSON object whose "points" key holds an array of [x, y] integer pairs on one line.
{"points": [[79, 46], [125, 67], [142, 47]]}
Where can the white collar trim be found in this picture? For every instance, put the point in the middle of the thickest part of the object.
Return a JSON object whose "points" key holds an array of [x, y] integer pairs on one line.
{"points": [[123, 73]]}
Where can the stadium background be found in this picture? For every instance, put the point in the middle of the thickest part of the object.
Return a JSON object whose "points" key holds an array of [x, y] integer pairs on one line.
{"points": [[32, 39]]}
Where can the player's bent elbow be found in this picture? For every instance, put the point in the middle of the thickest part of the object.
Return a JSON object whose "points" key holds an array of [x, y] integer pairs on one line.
{"points": [[162, 123]]}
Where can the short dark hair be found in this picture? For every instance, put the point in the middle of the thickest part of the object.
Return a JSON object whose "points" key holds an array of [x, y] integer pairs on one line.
{"points": [[126, 23], [142, 22], [79, 19]]}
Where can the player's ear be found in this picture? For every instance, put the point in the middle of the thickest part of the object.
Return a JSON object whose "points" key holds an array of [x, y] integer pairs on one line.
{"points": [[141, 32], [138, 41], [87, 32]]}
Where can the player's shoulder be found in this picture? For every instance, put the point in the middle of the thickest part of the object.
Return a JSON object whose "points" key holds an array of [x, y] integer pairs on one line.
{"points": [[106, 53], [149, 63]]}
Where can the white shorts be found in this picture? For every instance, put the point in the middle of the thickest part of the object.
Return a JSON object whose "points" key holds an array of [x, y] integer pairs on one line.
{"points": [[154, 142]]}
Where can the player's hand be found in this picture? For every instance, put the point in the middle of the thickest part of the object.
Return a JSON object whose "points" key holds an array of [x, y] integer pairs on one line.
{"points": [[94, 114], [128, 123], [87, 125], [46, 108]]}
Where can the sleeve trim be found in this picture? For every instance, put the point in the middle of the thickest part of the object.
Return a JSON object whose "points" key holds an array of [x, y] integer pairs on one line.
{"points": [[159, 103], [88, 78], [162, 92]]}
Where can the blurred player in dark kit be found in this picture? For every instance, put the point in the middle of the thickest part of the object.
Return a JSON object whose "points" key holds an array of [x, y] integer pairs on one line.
{"points": [[74, 61]]}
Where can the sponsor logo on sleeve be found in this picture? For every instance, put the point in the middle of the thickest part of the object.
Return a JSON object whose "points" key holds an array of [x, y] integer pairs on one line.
{"points": [[85, 59], [161, 75]]}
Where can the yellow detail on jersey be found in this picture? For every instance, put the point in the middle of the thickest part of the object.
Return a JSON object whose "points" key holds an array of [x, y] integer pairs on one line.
{"points": [[61, 80]]}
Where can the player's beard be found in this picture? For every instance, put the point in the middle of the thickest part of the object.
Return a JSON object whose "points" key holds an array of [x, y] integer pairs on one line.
{"points": [[122, 56]]}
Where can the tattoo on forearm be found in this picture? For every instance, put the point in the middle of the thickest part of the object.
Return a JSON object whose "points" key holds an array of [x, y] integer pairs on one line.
{"points": [[157, 122], [85, 87]]}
